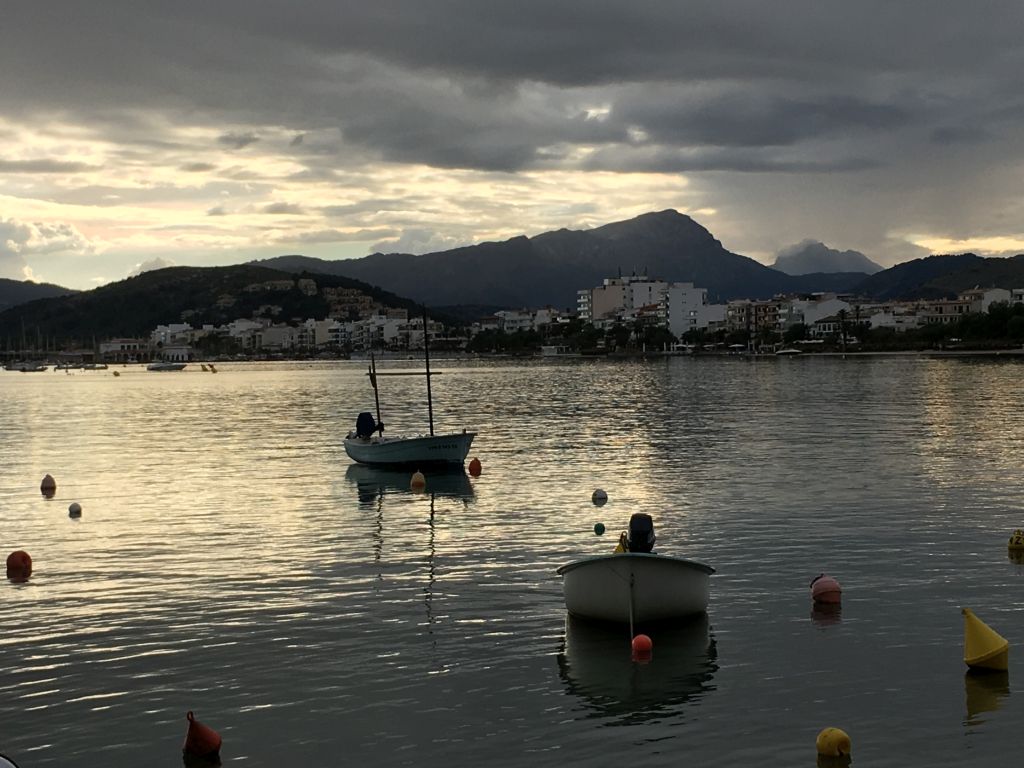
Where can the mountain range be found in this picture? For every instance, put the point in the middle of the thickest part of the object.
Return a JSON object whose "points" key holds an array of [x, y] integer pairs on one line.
{"points": [[465, 284], [549, 269]]}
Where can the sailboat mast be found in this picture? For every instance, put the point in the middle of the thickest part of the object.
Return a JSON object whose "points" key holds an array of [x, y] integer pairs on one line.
{"points": [[373, 381], [426, 357]]}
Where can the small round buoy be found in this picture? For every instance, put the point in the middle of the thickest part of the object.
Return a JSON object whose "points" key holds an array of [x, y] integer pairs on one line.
{"points": [[599, 497], [1016, 542], [48, 487], [201, 740], [418, 482], [643, 648], [833, 742], [475, 468], [19, 565], [117, 373], [599, 528], [6, 762], [75, 510], [825, 589]]}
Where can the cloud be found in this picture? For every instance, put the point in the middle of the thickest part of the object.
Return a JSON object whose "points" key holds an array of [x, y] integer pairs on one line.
{"points": [[238, 140], [335, 236], [44, 166], [198, 167], [419, 241], [19, 239], [282, 208], [392, 118], [151, 265]]}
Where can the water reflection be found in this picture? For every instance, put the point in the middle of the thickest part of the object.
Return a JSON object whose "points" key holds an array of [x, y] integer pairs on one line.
{"points": [[985, 692], [826, 614], [374, 482], [596, 665]]}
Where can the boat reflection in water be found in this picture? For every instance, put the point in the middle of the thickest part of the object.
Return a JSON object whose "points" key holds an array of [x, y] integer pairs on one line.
{"points": [[596, 664], [985, 691], [372, 482]]}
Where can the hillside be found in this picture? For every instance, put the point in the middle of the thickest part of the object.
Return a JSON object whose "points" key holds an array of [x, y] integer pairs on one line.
{"points": [[14, 292], [196, 295], [938, 277]]}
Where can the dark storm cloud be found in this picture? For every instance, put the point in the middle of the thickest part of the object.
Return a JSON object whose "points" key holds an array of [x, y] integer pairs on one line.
{"points": [[442, 84]]}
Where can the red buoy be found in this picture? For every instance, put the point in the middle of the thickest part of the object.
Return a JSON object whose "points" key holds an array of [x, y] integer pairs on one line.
{"points": [[475, 468], [825, 589], [643, 648], [201, 740], [19, 565]]}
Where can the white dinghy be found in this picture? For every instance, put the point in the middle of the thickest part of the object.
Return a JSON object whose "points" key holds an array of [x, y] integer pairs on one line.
{"points": [[635, 584]]}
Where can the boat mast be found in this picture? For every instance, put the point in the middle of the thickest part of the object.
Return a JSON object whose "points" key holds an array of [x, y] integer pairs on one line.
{"points": [[373, 381], [426, 357]]}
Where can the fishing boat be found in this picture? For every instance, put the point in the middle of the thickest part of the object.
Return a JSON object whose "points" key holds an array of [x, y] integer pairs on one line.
{"points": [[368, 445], [26, 366], [635, 584], [166, 365]]}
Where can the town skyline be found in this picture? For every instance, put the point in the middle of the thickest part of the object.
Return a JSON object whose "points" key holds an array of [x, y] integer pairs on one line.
{"points": [[139, 135]]}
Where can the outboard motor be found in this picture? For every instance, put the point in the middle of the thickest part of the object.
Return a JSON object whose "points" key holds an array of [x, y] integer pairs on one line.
{"points": [[365, 425], [641, 533]]}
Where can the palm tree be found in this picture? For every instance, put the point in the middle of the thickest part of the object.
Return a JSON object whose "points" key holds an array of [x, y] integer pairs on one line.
{"points": [[841, 314]]}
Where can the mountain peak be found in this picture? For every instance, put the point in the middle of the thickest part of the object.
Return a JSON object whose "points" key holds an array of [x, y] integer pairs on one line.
{"points": [[812, 256]]}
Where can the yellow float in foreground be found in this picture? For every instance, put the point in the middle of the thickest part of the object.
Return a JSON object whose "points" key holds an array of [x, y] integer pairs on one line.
{"points": [[984, 648]]}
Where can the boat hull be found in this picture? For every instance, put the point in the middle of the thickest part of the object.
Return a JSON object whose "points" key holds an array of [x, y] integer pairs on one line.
{"points": [[654, 587], [424, 451]]}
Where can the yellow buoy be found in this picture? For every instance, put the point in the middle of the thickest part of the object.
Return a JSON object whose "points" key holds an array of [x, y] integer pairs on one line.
{"points": [[984, 648], [833, 742], [1016, 542], [418, 481]]}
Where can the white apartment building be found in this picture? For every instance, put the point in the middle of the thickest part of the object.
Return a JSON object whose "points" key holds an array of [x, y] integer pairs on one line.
{"points": [[618, 295], [685, 308], [511, 321]]}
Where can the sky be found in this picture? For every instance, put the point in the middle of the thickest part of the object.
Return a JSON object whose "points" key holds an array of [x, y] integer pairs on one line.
{"points": [[136, 134]]}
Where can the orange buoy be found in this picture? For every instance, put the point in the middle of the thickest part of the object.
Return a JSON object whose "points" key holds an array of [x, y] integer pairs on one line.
{"points": [[417, 482], [643, 648], [825, 589], [475, 468], [19, 565], [201, 740], [48, 487]]}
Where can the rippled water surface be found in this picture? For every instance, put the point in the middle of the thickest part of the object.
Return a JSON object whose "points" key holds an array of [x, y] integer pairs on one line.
{"points": [[230, 560]]}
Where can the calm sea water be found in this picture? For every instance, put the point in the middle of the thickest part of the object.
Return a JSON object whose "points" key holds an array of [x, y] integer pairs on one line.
{"points": [[230, 560]]}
